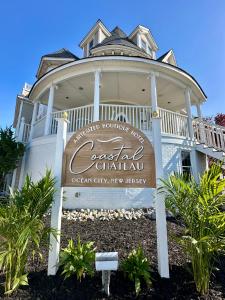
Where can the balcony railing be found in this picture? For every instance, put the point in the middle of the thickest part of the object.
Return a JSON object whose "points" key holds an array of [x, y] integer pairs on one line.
{"points": [[39, 127], [24, 132], [78, 117], [210, 135], [172, 123], [138, 116]]}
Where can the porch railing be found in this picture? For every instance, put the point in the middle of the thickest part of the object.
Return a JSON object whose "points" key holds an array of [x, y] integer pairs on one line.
{"points": [[39, 127], [210, 135], [173, 123], [78, 117], [26, 132], [138, 116]]}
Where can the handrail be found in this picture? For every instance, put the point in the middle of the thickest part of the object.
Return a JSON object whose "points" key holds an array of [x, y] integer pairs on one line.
{"points": [[39, 120], [211, 135], [172, 123]]}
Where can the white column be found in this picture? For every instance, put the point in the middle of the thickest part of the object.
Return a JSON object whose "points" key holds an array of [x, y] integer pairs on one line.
{"points": [[49, 109], [22, 168], [188, 108], [56, 211], [19, 119], [201, 124], [34, 117], [193, 154], [14, 179], [96, 95], [21, 129], [199, 111], [139, 39], [161, 227]]}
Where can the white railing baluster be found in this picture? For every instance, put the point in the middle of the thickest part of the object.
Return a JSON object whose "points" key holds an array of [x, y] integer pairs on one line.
{"points": [[172, 123], [211, 135]]}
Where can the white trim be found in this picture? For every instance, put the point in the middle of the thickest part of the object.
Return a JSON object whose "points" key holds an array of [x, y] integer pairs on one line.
{"points": [[168, 55], [188, 108], [120, 48], [96, 95], [199, 111], [147, 33], [115, 58], [43, 59], [34, 117], [98, 24], [19, 118], [49, 109], [161, 227]]}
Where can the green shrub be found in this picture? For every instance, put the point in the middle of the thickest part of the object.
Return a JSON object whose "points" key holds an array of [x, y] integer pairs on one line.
{"points": [[22, 229], [199, 206], [136, 267], [78, 259]]}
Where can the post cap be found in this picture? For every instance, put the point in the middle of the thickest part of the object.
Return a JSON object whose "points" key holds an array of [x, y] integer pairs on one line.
{"points": [[65, 115]]}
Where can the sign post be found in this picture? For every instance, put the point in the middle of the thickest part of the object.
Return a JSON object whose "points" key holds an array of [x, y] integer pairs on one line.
{"points": [[56, 211], [161, 228]]}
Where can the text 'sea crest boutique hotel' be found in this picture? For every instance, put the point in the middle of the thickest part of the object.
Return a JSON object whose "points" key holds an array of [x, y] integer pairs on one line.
{"points": [[131, 112]]}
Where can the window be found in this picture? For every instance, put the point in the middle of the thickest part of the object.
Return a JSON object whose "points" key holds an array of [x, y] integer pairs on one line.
{"points": [[149, 50], [121, 118], [186, 163], [91, 44], [143, 45]]}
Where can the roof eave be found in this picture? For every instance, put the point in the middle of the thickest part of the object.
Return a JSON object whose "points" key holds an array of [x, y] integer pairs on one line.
{"points": [[45, 58], [203, 98], [101, 25], [145, 30]]}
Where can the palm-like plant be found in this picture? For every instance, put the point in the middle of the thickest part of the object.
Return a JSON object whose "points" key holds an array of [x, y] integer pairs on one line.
{"points": [[136, 267], [78, 259], [22, 229], [200, 206]]}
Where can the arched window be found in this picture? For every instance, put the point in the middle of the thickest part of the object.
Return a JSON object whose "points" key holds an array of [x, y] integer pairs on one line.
{"points": [[121, 118]]}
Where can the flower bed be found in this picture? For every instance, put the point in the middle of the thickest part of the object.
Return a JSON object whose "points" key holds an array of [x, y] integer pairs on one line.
{"points": [[122, 236]]}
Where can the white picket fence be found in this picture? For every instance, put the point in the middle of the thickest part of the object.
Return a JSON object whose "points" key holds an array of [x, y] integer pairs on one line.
{"points": [[210, 135]]}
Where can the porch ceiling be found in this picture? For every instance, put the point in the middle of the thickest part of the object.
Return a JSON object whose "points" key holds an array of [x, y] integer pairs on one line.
{"points": [[116, 87]]}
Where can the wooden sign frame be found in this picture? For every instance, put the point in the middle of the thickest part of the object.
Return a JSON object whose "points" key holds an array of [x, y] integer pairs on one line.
{"points": [[109, 154]]}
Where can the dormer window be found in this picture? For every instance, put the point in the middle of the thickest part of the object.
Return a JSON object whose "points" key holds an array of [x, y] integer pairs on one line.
{"points": [[149, 50], [91, 44], [143, 45]]}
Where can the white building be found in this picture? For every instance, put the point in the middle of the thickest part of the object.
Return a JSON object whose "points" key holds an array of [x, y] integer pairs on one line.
{"points": [[114, 80]]}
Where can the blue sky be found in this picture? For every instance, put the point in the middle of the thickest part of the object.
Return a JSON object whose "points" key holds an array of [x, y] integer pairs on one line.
{"points": [[193, 28]]}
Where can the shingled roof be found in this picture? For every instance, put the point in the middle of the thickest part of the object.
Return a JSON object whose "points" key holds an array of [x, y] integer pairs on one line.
{"points": [[62, 53], [163, 56], [118, 37]]}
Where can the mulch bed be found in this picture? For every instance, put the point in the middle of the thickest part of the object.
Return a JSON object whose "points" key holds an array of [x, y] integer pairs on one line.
{"points": [[121, 236]]}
